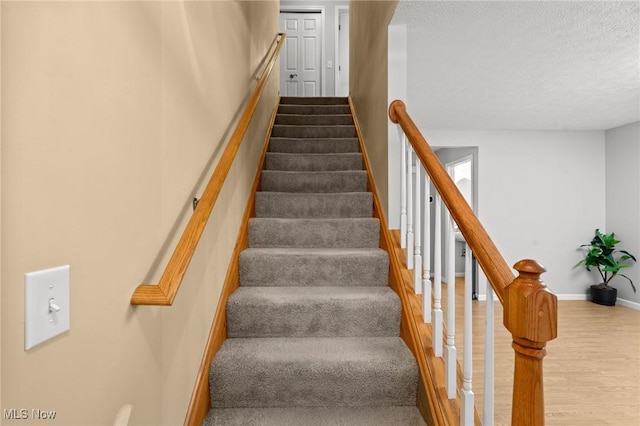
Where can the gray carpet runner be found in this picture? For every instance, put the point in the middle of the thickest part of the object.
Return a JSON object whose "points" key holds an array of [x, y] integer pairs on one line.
{"points": [[313, 329]]}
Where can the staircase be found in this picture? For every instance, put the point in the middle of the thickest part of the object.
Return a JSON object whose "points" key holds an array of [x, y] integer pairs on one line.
{"points": [[313, 329]]}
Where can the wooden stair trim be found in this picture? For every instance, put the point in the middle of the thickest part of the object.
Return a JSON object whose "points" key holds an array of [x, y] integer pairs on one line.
{"points": [[200, 402]]}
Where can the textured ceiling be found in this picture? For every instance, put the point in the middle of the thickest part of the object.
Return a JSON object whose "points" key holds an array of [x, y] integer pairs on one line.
{"points": [[550, 65]]}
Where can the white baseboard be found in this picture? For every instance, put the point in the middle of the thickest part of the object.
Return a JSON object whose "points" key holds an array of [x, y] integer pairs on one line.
{"points": [[629, 304], [621, 302], [579, 296], [444, 279], [483, 297]]}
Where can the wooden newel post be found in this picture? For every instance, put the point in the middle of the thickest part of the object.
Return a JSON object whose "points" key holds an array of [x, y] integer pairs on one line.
{"points": [[531, 315]]}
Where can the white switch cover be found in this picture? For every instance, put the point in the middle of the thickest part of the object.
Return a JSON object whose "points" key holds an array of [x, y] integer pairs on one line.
{"points": [[46, 310], [329, 64]]}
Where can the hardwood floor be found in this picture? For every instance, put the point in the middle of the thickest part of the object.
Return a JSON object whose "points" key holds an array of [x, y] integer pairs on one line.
{"points": [[591, 371]]}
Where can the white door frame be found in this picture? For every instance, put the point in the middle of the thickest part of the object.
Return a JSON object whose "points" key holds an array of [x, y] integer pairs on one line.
{"points": [[479, 285], [323, 59], [337, 63], [471, 159]]}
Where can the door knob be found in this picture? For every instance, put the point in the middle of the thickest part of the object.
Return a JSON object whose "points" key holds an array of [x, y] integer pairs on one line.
{"points": [[292, 76]]}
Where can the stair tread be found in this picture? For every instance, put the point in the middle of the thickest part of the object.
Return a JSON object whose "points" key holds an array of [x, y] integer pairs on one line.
{"points": [[315, 371], [313, 162], [315, 131], [328, 126], [317, 251], [314, 100], [313, 109], [315, 155], [314, 267], [318, 173], [316, 416], [310, 204], [313, 119], [313, 312], [348, 139], [288, 295], [315, 182], [325, 195], [316, 220], [311, 115], [313, 145], [309, 352], [314, 232]]}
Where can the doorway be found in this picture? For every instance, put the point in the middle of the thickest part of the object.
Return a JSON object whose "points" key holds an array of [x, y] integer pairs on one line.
{"points": [[301, 61], [462, 171], [342, 51]]}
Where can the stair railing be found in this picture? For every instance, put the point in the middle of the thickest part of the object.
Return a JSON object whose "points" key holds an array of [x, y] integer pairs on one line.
{"points": [[530, 309], [165, 291]]}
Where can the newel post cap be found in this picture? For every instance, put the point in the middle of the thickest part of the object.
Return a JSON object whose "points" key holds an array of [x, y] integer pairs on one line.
{"points": [[531, 309], [392, 109]]}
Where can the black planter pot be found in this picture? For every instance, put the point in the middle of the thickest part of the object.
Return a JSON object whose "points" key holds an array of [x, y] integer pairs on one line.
{"points": [[604, 296]]}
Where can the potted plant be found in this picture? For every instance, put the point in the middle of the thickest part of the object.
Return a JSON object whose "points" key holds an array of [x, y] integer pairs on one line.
{"points": [[603, 255]]}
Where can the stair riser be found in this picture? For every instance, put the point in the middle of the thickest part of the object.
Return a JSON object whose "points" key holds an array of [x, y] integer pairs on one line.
{"points": [[294, 205], [257, 315], [337, 233], [313, 162], [313, 100], [313, 146], [316, 416], [323, 182], [302, 269], [314, 120], [313, 131], [305, 389], [314, 109]]}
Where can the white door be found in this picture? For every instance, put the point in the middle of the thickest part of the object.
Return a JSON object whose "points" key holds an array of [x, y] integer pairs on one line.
{"points": [[300, 61], [342, 87]]}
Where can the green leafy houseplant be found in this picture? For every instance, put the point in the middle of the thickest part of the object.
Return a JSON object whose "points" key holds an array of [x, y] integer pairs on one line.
{"points": [[604, 256]]}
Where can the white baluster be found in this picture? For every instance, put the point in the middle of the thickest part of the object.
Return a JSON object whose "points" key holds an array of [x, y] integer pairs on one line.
{"points": [[403, 193], [417, 254], [426, 258], [467, 398], [437, 278], [487, 411], [409, 207], [451, 352]]}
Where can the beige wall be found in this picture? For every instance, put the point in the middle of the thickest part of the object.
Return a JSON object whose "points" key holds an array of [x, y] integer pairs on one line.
{"points": [[368, 22], [112, 114]]}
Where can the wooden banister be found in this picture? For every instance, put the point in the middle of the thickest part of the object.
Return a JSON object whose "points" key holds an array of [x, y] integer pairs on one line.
{"points": [[165, 291], [530, 309], [490, 259]]}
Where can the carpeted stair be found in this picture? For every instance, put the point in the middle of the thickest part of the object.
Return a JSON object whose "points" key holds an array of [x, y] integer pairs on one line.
{"points": [[313, 329]]}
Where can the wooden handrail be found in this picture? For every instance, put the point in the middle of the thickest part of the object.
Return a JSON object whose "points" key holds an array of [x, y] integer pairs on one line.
{"points": [[490, 259], [165, 291], [530, 309]]}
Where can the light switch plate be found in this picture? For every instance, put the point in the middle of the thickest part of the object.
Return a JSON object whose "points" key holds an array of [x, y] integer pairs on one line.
{"points": [[46, 310]]}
